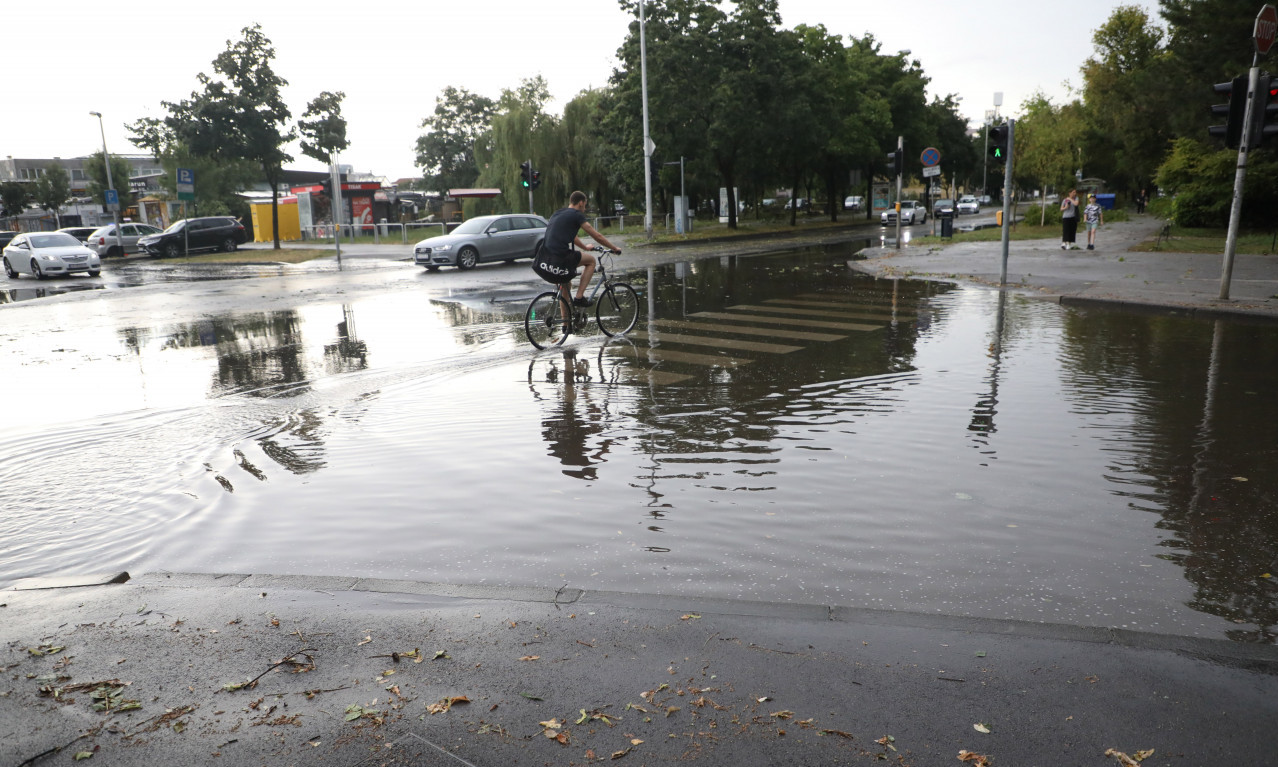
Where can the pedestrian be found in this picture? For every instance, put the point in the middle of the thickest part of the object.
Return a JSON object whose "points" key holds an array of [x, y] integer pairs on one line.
{"points": [[1069, 220], [1093, 217], [1142, 198]]}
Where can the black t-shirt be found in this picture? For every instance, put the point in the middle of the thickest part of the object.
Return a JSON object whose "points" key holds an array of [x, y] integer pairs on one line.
{"points": [[562, 230]]}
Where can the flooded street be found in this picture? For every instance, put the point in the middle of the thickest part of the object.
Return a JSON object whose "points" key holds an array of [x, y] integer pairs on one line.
{"points": [[778, 428]]}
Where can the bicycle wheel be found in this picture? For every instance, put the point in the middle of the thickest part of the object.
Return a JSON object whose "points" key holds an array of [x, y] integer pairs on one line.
{"points": [[548, 320], [618, 309]]}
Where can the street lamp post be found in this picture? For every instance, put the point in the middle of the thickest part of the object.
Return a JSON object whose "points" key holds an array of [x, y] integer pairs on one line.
{"points": [[106, 160]]}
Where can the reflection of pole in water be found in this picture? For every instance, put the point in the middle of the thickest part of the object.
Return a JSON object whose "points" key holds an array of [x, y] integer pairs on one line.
{"points": [[982, 423], [1204, 441]]}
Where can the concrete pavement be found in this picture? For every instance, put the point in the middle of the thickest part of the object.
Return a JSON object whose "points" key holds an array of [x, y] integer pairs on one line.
{"points": [[1110, 275], [237, 669]]}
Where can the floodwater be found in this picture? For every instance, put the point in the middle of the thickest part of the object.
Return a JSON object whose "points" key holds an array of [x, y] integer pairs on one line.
{"points": [[778, 428]]}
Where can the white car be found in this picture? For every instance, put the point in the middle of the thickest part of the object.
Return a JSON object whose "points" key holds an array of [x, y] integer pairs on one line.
{"points": [[912, 212], [103, 238], [45, 254], [968, 204]]}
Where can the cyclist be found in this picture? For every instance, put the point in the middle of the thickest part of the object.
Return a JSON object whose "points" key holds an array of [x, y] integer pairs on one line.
{"points": [[558, 261]]}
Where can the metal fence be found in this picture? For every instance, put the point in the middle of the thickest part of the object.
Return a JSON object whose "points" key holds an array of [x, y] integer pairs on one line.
{"points": [[384, 231]]}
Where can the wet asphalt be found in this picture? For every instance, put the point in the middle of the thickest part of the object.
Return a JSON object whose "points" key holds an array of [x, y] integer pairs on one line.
{"points": [[240, 669]]}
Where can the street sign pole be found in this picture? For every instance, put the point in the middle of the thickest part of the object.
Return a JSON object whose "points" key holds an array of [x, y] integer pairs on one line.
{"points": [[1007, 197], [900, 147]]}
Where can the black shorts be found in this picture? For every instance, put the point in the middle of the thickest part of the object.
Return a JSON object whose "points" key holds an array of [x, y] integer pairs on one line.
{"points": [[556, 268]]}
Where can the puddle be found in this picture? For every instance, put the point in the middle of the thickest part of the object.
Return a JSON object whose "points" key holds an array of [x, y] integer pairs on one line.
{"points": [[778, 428]]}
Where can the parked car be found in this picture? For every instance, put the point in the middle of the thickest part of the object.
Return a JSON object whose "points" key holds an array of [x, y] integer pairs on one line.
{"points": [[6, 236], [853, 202], [104, 242], [983, 199], [968, 204], [45, 254], [618, 208], [943, 207], [485, 238], [81, 233], [912, 212], [209, 233]]}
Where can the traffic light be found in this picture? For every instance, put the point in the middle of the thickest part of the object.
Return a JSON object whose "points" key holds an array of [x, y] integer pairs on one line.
{"points": [[525, 174], [536, 179], [998, 143], [1264, 113], [1233, 112], [896, 162]]}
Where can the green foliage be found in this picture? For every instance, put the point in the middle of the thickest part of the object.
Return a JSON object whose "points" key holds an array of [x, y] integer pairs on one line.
{"points": [[14, 196], [446, 151], [1202, 182], [324, 135], [1035, 213], [52, 189], [95, 169]]}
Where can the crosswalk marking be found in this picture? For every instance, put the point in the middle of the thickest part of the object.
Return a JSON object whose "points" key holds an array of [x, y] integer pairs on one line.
{"points": [[746, 330], [718, 342], [810, 312], [708, 360], [763, 319], [887, 312]]}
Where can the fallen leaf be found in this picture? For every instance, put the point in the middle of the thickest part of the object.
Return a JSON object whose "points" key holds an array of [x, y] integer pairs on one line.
{"points": [[689, 617], [530, 696], [442, 654], [782, 714], [82, 755], [531, 657], [979, 760], [635, 741], [981, 728], [368, 638], [621, 753], [1239, 479], [445, 704]]}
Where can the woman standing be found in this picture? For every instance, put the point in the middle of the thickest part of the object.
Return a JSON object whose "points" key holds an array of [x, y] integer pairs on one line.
{"points": [[1069, 220]]}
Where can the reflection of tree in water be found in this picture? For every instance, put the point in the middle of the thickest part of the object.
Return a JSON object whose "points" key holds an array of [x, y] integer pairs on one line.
{"points": [[1201, 450], [348, 353], [296, 441], [259, 353]]}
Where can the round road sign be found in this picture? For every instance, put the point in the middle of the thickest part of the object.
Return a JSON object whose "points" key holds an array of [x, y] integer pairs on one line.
{"points": [[930, 157], [1266, 27]]}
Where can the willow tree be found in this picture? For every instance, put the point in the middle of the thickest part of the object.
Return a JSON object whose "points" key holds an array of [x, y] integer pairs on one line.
{"points": [[522, 130]]}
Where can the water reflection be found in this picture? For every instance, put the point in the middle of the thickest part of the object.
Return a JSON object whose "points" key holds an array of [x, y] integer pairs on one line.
{"points": [[574, 412], [1200, 453]]}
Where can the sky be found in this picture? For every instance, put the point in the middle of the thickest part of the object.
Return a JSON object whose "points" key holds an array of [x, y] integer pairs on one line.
{"points": [[392, 59]]}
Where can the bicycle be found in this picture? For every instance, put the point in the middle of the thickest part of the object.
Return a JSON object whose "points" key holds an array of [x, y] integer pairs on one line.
{"points": [[551, 317]]}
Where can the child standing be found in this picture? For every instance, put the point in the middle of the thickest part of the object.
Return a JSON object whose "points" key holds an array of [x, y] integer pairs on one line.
{"points": [[1093, 217]]}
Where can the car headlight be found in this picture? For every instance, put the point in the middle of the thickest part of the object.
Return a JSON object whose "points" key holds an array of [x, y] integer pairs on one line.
{"points": [[47, 257], [442, 248]]}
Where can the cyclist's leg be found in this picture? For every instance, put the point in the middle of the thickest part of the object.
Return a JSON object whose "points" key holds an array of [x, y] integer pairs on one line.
{"points": [[588, 261]]}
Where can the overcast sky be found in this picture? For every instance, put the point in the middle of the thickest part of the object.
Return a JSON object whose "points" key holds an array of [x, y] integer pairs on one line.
{"points": [[392, 58]]}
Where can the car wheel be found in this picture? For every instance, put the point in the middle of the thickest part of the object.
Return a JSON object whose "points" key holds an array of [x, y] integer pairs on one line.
{"points": [[114, 252], [94, 272], [229, 244], [432, 268], [35, 269], [9, 270], [172, 250], [467, 258]]}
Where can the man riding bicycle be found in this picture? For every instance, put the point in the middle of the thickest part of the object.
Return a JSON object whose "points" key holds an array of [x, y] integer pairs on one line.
{"points": [[557, 261]]}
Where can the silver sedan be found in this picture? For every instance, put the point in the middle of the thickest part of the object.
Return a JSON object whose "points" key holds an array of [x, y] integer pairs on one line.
{"points": [[485, 238]]}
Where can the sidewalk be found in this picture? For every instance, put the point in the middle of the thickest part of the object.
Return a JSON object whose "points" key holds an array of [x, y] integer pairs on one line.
{"points": [[290, 670], [1110, 275]]}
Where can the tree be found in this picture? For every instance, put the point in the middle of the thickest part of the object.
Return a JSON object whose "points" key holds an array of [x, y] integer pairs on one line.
{"points": [[238, 116], [1046, 145], [324, 134], [52, 190], [14, 196], [95, 169], [446, 151], [1129, 94], [250, 93]]}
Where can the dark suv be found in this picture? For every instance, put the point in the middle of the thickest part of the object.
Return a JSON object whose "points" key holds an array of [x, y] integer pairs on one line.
{"points": [[209, 233]]}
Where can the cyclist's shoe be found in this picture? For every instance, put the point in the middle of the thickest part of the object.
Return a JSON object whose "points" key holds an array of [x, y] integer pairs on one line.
{"points": [[581, 301]]}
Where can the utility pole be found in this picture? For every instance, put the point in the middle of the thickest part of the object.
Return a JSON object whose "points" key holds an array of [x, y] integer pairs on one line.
{"points": [[1240, 175], [106, 160], [647, 140], [900, 153]]}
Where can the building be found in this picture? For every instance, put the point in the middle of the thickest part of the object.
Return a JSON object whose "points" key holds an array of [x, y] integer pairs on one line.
{"points": [[144, 175]]}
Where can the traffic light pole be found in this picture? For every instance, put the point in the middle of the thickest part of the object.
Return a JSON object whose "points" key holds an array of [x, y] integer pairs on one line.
{"points": [[1235, 208], [530, 199], [1007, 198]]}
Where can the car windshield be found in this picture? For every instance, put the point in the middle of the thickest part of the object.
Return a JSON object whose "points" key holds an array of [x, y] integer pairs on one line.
{"points": [[177, 226], [475, 225], [53, 240], [944, 202]]}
